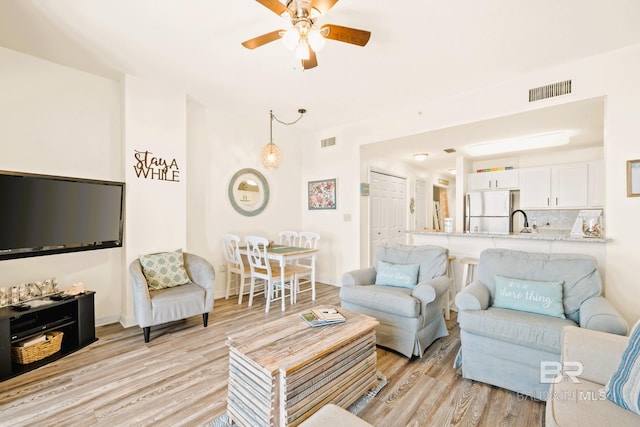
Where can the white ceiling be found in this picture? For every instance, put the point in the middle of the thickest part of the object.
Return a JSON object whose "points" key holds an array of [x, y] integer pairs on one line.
{"points": [[419, 51]]}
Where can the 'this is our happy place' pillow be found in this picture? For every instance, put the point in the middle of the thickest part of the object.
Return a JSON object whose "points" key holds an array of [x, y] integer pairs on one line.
{"points": [[400, 275], [164, 270], [623, 388], [529, 295]]}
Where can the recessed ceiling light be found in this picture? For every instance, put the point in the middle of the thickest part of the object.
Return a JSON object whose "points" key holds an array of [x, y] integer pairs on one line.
{"points": [[452, 171], [420, 156], [518, 144]]}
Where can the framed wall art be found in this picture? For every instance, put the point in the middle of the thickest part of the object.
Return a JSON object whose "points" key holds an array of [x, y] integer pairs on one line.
{"points": [[322, 194], [633, 178]]}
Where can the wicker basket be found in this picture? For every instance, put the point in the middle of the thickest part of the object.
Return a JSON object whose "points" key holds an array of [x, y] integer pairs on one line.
{"points": [[33, 353]]}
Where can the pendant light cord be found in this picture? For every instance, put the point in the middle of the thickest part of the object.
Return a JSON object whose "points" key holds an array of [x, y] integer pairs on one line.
{"points": [[273, 116]]}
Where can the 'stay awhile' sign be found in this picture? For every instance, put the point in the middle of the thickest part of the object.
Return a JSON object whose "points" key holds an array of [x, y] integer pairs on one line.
{"points": [[149, 166]]}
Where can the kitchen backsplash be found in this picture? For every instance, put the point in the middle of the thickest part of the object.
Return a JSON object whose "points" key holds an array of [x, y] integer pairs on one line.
{"points": [[560, 220]]}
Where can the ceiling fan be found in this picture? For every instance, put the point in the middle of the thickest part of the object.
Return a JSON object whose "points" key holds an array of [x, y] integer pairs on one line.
{"points": [[303, 36]]}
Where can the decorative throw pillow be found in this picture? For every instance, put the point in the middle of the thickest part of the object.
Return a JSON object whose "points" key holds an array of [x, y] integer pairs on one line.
{"points": [[529, 295], [400, 275], [164, 270], [623, 388]]}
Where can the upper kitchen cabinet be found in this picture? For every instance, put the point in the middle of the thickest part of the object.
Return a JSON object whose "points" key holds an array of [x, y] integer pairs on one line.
{"points": [[535, 187], [499, 180], [574, 185]]}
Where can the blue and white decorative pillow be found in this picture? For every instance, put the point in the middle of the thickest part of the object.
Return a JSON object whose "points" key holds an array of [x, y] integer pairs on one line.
{"points": [[623, 388], [164, 270], [400, 275]]}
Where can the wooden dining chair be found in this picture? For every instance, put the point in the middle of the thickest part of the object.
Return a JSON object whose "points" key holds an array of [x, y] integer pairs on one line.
{"points": [[236, 265], [306, 267], [261, 268]]}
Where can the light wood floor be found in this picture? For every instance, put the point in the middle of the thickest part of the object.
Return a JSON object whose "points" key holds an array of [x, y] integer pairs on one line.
{"points": [[180, 379]]}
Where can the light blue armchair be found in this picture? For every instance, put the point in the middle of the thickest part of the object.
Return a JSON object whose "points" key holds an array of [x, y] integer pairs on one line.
{"points": [[410, 318], [506, 346]]}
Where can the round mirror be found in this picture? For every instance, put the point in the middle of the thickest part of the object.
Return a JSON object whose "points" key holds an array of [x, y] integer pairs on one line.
{"points": [[248, 192]]}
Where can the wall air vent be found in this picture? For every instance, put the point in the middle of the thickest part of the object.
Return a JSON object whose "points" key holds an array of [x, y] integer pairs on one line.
{"points": [[550, 90], [328, 142]]}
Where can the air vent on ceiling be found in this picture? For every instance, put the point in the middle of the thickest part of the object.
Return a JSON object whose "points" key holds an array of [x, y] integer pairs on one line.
{"points": [[328, 142], [449, 150], [550, 90]]}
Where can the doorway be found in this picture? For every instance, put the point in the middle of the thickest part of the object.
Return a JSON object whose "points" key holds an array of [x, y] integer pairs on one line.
{"points": [[388, 210]]}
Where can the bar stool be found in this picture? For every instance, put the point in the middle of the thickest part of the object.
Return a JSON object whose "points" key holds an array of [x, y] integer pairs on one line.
{"points": [[468, 271], [452, 284]]}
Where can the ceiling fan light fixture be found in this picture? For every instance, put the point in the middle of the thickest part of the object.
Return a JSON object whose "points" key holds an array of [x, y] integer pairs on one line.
{"points": [[314, 13], [290, 38], [316, 40], [302, 50]]}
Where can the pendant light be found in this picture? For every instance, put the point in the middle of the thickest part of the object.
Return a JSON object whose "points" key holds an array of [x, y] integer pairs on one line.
{"points": [[270, 153]]}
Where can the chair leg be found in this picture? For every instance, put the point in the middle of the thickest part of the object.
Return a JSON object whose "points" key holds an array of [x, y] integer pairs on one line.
{"points": [[226, 295], [146, 331], [205, 319], [251, 289], [241, 291], [268, 295]]}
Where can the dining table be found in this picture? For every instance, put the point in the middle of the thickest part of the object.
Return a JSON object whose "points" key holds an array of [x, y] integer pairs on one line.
{"points": [[284, 254]]}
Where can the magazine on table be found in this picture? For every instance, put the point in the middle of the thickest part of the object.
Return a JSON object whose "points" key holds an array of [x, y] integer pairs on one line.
{"points": [[322, 317]]}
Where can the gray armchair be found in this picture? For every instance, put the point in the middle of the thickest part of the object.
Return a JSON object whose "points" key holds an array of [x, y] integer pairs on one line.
{"points": [[410, 318], [155, 307]]}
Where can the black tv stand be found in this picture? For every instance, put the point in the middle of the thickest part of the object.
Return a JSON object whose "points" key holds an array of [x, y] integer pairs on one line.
{"points": [[74, 317]]}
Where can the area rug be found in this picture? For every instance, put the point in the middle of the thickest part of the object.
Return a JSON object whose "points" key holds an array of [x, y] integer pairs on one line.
{"points": [[356, 407]]}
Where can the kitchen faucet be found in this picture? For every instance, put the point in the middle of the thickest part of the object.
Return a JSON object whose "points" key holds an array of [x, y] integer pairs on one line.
{"points": [[526, 221]]}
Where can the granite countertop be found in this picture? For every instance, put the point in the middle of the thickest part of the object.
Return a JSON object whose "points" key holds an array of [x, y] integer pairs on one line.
{"points": [[560, 235]]}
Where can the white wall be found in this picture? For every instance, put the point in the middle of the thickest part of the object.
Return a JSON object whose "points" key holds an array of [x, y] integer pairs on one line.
{"points": [[220, 143], [613, 75], [59, 121], [155, 121]]}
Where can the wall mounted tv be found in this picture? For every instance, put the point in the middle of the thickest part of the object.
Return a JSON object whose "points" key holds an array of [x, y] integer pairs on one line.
{"points": [[43, 215]]}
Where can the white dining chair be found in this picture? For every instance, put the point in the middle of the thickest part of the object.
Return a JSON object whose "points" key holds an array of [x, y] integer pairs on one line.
{"points": [[306, 267], [236, 266], [289, 238], [261, 268]]}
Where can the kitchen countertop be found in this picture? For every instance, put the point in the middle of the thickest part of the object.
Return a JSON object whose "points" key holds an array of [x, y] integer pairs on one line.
{"points": [[556, 235]]}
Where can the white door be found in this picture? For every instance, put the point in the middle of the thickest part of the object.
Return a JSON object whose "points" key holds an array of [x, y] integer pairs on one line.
{"points": [[387, 210], [421, 205]]}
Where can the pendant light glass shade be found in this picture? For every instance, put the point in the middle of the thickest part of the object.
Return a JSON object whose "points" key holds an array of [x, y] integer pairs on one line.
{"points": [[270, 156]]}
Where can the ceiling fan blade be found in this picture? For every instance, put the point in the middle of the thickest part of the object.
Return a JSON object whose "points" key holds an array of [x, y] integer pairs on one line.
{"points": [[275, 6], [346, 34], [262, 40], [322, 5], [311, 62]]}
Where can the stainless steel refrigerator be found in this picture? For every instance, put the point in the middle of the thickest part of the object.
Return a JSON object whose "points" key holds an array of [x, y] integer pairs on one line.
{"points": [[490, 211]]}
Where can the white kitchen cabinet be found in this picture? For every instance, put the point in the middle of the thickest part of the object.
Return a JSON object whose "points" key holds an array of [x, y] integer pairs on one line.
{"points": [[561, 186], [570, 185], [596, 184], [535, 187], [499, 180]]}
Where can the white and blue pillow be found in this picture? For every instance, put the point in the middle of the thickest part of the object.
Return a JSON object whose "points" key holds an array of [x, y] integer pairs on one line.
{"points": [[529, 295], [400, 275], [623, 388]]}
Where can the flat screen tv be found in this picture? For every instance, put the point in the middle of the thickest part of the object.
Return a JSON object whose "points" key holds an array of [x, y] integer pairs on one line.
{"points": [[43, 215]]}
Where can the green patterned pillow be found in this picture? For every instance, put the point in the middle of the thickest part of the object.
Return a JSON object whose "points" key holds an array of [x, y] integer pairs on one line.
{"points": [[164, 270]]}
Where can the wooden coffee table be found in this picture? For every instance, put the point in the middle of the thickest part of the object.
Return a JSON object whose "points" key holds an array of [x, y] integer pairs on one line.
{"points": [[281, 372]]}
